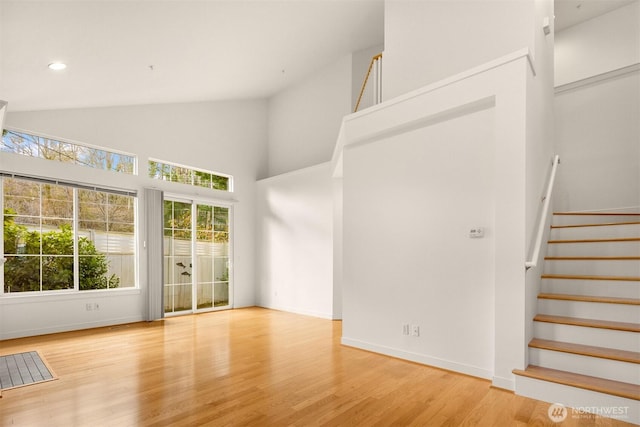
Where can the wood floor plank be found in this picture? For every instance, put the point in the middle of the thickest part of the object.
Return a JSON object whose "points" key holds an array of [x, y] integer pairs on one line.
{"points": [[248, 367]]}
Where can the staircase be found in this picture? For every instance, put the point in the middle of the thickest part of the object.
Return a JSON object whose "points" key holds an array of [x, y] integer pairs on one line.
{"points": [[585, 352]]}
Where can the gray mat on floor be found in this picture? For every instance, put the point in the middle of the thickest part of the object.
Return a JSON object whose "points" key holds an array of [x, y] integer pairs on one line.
{"points": [[20, 369]]}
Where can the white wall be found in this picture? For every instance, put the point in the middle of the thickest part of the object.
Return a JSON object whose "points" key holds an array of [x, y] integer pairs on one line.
{"points": [[597, 107], [541, 148], [338, 249], [418, 172], [295, 241], [228, 137], [598, 131], [410, 201], [304, 119], [599, 45], [426, 41], [2, 90]]}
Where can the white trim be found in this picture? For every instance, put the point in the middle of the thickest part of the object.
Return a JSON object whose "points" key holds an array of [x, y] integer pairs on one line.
{"points": [[337, 158], [65, 295], [449, 365], [598, 78], [487, 66], [190, 198], [504, 383], [182, 198], [192, 168], [70, 327], [3, 111], [69, 183], [69, 141], [80, 144]]}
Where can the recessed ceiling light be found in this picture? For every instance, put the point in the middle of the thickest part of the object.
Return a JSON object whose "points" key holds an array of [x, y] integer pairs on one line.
{"points": [[57, 66]]}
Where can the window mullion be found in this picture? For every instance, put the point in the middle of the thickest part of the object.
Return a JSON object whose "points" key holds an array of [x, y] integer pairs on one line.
{"points": [[76, 254], [194, 257], [40, 254], [3, 260]]}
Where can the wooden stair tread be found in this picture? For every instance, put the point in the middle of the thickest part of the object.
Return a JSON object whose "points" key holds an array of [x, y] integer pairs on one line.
{"points": [[597, 213], [601, 385], [599, 240], [592, 258], [590, 277], [589, 298], [603, 224], [589, 323], [587, 350]]}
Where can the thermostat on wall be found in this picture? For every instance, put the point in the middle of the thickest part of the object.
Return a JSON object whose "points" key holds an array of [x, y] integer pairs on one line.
{"points": [[476, 232]]}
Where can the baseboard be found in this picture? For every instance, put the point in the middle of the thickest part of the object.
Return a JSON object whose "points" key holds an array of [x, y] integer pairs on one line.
{"points": [[424, 359], [69, 327], [504, 383]]}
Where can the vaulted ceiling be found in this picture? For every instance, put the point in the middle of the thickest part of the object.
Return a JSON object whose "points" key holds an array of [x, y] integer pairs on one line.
{"points": [[150, 51], [123, 52]]}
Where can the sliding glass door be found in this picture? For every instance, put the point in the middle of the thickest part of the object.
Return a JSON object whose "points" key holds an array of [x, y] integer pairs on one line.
{"points": [[197, 259]]}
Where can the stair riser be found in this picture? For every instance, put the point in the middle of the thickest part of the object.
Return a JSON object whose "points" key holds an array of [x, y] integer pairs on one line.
{"points": [[626, 268], [594, 249], [598, 232], [620, 340], [627, 410], [590, 310], [608, 288], [593, 366], [592, 219]]}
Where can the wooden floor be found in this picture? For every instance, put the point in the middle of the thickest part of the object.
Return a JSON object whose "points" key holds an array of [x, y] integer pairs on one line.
{"points": [[249, 367]]}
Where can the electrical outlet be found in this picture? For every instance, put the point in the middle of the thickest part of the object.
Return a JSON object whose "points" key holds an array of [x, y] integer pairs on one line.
{"points": [[405, 329], [415, 330]]}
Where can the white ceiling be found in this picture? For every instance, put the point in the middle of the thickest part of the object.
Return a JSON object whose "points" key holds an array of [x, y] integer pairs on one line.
{"points": [[124, 52], [572, 12], [199, 50]]}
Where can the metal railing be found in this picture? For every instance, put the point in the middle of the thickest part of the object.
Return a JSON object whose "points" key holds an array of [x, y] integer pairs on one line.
{"points": [[376, 66], [543, 216]]}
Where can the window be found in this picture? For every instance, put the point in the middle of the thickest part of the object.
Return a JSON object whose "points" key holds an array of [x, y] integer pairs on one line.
{"points": [[66, 152], [187, 175], [61, 237]]}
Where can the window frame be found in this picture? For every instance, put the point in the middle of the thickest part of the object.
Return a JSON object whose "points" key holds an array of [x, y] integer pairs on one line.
{"points": [[76, 188], [230, 180], [194, 201], [79, 145]]}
